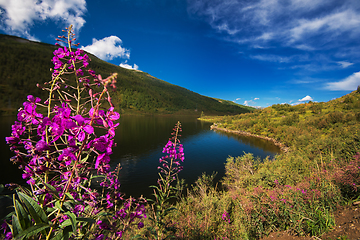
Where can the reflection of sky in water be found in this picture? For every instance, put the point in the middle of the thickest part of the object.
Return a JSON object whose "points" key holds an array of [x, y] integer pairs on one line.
{"points": [[139, 144], [205, 151]]}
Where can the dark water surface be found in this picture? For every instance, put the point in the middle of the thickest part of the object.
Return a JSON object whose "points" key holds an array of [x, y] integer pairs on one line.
{"points": [[140, 140]]}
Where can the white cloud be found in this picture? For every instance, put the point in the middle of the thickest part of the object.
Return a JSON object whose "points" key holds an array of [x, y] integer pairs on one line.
{"points": [[345, 64], [272, 58], [238, 99], [107, 48], [125, 65], [301, 24], [348, 84], [330, 25], [19, 15], [307, 98], [256, 99], [250, 103]]}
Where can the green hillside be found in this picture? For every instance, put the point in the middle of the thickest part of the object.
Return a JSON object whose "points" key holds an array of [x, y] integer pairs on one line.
{"points": [[296, 192], [24, 63]]}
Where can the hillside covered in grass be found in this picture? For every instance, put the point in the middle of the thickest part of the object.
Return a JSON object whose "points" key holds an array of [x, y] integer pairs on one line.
{"points": [[296, 192], [25, 63]]}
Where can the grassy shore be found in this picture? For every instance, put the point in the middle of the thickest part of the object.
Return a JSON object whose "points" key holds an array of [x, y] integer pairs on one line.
{"points": [[297, 191]]}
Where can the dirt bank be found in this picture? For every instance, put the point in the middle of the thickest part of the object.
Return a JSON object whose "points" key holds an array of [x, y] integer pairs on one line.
{"points": [[283, 147]]}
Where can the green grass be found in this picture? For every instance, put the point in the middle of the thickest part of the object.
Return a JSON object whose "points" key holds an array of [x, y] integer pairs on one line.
{"points": [[296, 192]]}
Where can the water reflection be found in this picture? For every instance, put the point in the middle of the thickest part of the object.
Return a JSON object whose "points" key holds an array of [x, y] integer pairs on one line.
{"points": [[140, 140]]}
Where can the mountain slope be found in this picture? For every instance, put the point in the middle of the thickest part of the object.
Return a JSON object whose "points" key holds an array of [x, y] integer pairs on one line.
{"points": [[25, 63]]}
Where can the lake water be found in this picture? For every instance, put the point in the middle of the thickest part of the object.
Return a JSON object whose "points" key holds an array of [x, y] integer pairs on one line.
{"points": [[140, 140]]}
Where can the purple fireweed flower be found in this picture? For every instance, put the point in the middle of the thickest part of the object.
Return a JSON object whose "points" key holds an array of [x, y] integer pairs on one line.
{"points": [[28, 173], [99, 237], [61, 52], [79, 209], [67, 155], [122, 214], [102, 159], [12, 140], [119, 234], [31, 98], [225, 216], [111, 115], [17, 129], [29, 114], [81, 128], [7, 233], [102, 144], [112, 128], [42, 146], [41, 130], [85, 63], [102, 225], [140, 225], [92, 73], [79, 72]]}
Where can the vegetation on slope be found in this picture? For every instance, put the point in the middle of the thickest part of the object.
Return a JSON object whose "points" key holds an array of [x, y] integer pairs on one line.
{"points": [[295, 192], [25, 63]]}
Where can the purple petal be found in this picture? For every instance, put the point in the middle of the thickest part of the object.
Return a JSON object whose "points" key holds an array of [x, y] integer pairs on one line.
{"points": [[41, 146], [89, 129], [79, 119]]}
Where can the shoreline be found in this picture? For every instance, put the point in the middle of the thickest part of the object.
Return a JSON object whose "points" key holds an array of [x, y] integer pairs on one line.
{"points": [[282, 146]]}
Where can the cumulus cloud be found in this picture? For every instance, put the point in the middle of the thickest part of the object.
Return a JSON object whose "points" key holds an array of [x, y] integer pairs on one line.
{"points": [[348, 84], [301, 24], [107, 48], [17, 16], [128, 66], [307, 98], [256, 99]]}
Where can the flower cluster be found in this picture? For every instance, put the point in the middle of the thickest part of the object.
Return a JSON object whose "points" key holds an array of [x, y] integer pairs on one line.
{"points": [[226, 217], [170, 163], [60, 151], [166, 189]]}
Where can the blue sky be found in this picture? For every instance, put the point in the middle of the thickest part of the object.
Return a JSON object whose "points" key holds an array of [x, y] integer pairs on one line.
{"points": [[253, 52]]}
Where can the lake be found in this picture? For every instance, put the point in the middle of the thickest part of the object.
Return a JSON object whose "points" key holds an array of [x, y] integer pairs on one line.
{"points": [[140, 140]]}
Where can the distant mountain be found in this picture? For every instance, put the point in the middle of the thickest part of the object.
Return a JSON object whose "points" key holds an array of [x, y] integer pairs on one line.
{"points": [[25, 63]]}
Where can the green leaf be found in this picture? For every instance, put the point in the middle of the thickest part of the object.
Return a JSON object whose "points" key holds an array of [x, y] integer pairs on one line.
{"points": [[33, 230], [67, 232], [58, 205], [85, 158], [52, 189], [65, 223], [97, 176], [16, 227], [69, 196], [69, 204], [22, 215], [36, 212], [59, 235], [72, 218]]}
